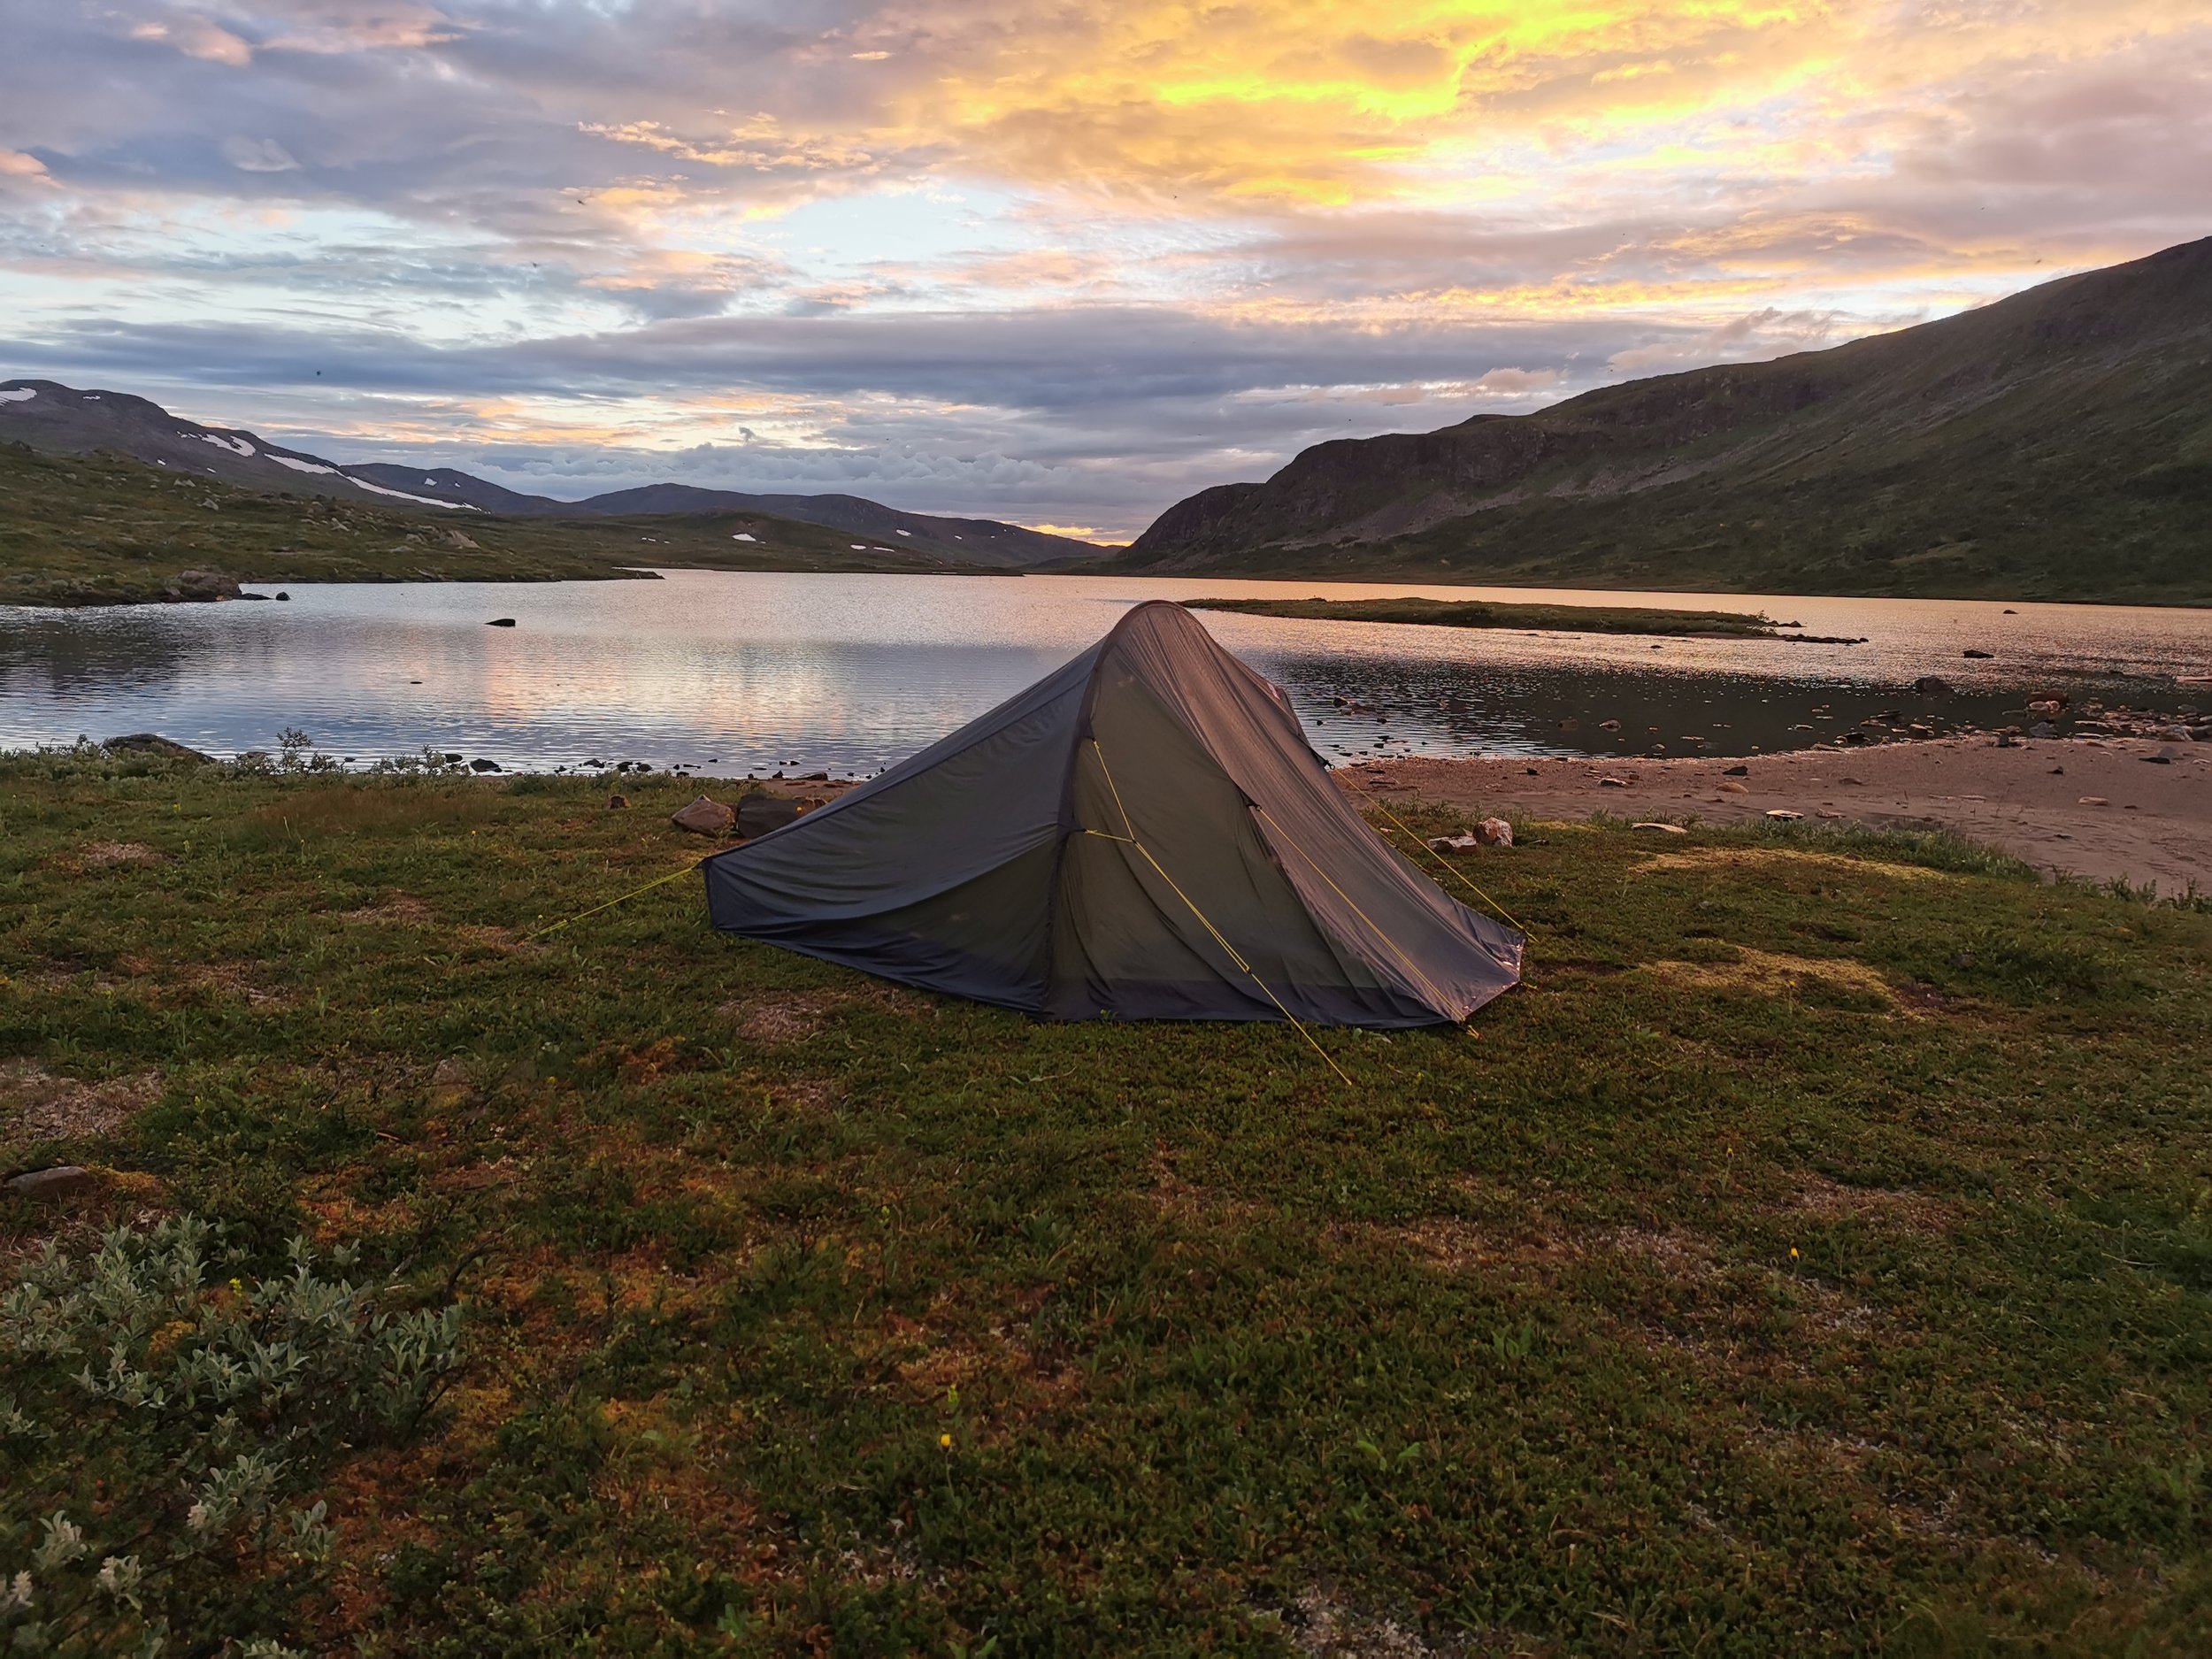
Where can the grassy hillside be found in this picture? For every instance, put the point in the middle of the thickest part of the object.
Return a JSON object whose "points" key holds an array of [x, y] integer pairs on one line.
{"points": [[1814, 1257], [2057, 445], [103, 529]]}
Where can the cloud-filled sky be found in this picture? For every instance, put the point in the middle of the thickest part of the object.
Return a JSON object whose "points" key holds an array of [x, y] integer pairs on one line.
{"points": [[1058, 261]]}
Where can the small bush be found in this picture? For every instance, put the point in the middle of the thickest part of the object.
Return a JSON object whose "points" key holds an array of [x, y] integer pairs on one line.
{"points": [[162, 1425]]}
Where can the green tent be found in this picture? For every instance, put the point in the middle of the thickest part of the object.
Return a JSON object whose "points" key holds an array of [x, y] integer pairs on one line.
{"points": [[1143, 834]]}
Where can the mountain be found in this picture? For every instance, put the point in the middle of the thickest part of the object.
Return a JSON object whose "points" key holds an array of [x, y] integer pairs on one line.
{"points": [[105, 528], [975, 540], [2056, 444], [59, 419]]}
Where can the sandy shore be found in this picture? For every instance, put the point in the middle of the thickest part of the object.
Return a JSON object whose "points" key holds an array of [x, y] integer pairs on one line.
{"points": [[2097, 808]]}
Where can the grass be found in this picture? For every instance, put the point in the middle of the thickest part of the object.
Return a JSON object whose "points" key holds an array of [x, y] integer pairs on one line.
{"points": [[106, 529], [1814, 1256], [1475, 613]]}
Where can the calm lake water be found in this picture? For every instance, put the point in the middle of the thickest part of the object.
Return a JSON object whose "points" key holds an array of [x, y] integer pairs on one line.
{"points": [[733, 673]]}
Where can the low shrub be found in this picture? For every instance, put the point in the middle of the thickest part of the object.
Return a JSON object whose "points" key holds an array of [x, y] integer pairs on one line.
{"points": [[163, 1427]]}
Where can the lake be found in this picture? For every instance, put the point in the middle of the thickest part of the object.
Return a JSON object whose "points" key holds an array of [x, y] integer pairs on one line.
{"points": [[730, 673]]}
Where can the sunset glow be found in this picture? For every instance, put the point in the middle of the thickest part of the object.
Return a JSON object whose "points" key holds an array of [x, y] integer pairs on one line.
{"points": [[1058, 263]]}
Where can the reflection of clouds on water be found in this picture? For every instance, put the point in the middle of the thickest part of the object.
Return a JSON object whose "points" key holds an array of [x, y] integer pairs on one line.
{"points": [[755, 671]]}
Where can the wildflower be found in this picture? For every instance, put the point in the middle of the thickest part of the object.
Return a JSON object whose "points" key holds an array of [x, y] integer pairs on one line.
{"points": [[1792, 1253], [19, 1592], [197, 1517], [945, 1441]]}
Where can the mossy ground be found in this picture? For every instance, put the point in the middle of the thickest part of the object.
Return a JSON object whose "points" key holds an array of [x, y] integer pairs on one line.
{"points": [[1816, 1256]]}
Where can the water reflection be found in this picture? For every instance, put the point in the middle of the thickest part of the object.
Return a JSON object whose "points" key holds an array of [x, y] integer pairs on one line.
{"points": [[757, 673]]}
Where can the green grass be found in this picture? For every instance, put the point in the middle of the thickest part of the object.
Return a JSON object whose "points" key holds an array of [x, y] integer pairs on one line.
{"points": [[1475, 613], [1814, 1256], [106, 529]]}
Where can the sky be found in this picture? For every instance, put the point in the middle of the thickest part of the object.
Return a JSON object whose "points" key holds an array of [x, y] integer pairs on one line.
{"points": [[1062, 262]]}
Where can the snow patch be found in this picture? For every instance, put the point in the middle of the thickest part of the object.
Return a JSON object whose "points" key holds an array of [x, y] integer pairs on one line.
{"points": [[401, 495], [902, 533], [860, 547], [431, 482], [741, 537], [298, 465], [236, 446], [22, 397]]}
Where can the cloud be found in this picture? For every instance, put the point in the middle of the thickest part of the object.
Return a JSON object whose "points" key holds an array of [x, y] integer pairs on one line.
{"points": [[257, 155], [1753, 337], [1067, 256], [197, 37]]}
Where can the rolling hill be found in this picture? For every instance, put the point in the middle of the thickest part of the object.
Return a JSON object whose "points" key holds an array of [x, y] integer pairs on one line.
{"points": [[103, 528], [2053, 445], [58, 420]]}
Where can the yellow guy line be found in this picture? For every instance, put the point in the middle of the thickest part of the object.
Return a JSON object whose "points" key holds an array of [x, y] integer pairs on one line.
{"points": [[1128, 829], [662, 882], [1228, 949], [1433, 853], [1436, 997]]}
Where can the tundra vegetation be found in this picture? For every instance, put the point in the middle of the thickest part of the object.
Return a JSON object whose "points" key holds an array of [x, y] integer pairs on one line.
{"points": [[106, 529], [1814, 1256]]}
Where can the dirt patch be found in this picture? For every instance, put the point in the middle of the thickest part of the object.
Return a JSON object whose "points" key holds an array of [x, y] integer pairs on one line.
{"points": [[107, 856], [1766, 972], [1322, 1627], [1682, 1257], [400, 908], [775, 1021], [1748, 860], [1820, 1198], [228, 980], [36, 1105]]}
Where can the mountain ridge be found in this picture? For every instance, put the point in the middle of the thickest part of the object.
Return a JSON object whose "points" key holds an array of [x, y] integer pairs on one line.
{"points": [[56, 419], [1980, 453]]}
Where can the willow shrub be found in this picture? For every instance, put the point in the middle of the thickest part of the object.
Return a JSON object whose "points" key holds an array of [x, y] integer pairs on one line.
{"points": [[162, 1428]]}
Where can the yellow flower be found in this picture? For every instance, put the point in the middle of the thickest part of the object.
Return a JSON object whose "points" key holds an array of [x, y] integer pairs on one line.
{"points": [[1792, 1253], [945, 1441]]}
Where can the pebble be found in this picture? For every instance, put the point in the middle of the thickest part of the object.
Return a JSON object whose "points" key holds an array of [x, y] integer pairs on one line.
{"points": [[1668, 829], [1784, 814]]}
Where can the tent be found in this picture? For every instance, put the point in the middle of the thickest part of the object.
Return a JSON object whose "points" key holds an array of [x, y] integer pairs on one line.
{"points": [[1144, 834]]}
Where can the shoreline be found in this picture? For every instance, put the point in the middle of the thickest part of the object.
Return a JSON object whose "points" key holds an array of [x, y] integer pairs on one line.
{"points": [[2099, 809], [145, 591]]}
